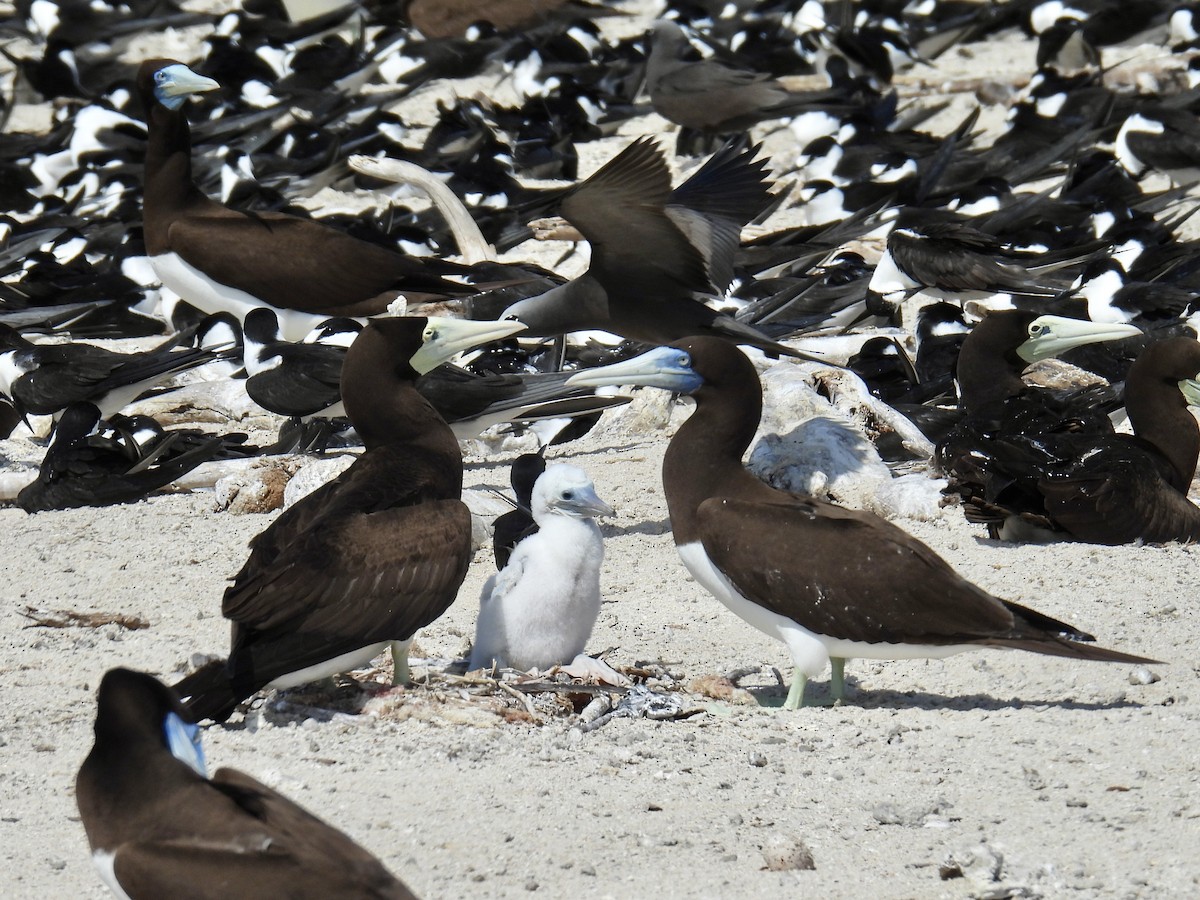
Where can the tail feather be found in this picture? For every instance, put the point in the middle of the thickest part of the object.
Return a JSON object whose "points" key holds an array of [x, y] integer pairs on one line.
{"points": [[1056, 646], [209, 693]]}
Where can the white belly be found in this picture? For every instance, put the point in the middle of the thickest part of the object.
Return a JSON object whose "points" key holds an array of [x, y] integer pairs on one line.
{"points": [[211, 297], [106, 863], [810, 651], [344, 663]]}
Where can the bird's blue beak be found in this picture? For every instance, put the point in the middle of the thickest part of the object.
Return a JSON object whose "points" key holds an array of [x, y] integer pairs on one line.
{"points": [[183, 739], [668, 368], [175, 83]]}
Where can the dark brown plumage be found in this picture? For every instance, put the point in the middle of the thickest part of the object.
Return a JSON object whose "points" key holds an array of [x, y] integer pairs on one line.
{"points": [[368, 558], [164, 830], [833, 583], [654, 249], [712, 97], [279, 260], [1108, 488]]}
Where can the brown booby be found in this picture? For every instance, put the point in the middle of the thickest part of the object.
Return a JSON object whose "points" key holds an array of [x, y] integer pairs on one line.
{"points": [[372, 556], [1007, 342], [998, 405], [779, 560], [159, 827], [654, 249], [219, 258], [1106, 488]]}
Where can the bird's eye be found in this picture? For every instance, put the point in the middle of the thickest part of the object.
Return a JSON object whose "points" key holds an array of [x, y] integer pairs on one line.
{"points": [[684, 361], [1036, 329], [431, 334], [160, 76], [568, 495]]}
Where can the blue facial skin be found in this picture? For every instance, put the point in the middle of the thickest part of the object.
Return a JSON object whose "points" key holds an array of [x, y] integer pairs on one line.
{"points": [[668, 368], [183, 739], [175, 83]]}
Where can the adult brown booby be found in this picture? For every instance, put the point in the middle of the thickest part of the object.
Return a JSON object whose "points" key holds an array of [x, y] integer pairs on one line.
{"points": [[372, 556], [1107, 488], [1007, 342], [159, 827], [219, 258], [779, 560], [998, 405], [655, 249]]}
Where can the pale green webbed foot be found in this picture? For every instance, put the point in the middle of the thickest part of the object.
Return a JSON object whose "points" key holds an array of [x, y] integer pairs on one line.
{"points": [[400, 671]]}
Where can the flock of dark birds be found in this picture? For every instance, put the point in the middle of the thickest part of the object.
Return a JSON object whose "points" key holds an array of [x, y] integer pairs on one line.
{"points": [[162, 202]]}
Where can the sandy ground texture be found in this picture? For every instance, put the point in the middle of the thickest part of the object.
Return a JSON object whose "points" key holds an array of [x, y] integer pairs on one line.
{"points": [[989, 774]]}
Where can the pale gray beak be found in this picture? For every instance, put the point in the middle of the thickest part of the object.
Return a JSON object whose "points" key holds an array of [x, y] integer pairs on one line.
{"points": [[445, 338], [1051, 336]]}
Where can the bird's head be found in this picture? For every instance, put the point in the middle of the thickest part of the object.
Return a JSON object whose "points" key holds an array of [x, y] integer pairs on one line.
{"points": [[567, 491], [672, 368], [170, 82], [130, 704]]}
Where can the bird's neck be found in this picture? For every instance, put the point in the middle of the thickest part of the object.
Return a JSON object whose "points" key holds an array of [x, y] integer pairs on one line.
{"points": [[1159, 415], [995, 381], [405, 421], [168, 176], [704, 458]]}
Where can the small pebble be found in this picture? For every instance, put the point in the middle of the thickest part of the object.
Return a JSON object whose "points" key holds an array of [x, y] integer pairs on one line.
{"points": [[887, 814], [756, 758], [1142, 675], [786, 853]]}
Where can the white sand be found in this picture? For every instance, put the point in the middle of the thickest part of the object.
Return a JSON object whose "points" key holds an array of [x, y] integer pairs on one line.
{"points": [[1035, 775]]}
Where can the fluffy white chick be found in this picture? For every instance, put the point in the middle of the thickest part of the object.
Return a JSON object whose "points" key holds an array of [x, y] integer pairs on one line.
{"points": [[540, 609]]}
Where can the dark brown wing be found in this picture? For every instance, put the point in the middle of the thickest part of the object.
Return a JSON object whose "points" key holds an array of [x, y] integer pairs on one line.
{"points": [[1120, 495], [635, 246], [374, 555], [244, 840], [846, 574], [368, 576], [295, 263]]}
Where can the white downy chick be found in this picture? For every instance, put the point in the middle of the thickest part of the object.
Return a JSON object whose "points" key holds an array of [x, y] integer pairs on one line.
{"points": [[540, 609]]}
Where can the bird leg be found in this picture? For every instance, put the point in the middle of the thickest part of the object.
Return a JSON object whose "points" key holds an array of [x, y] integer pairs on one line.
{"points": [[400, 672], [837, 680], [795, 697]]}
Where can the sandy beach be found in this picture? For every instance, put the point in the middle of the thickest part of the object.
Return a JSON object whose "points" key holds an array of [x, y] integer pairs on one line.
{"points": [[990, 774]]}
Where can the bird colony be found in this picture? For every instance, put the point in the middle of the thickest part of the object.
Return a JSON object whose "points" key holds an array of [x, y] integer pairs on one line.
{"points": [[599, 449]]}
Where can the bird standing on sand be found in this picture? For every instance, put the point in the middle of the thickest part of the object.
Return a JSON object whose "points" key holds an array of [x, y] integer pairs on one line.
{"points": [[218, 258], [831, 583], [540, 609], [366, 560]]}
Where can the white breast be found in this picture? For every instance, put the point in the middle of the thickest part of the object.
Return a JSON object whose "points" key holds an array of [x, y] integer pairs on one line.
{"points": [[210, 296]]}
